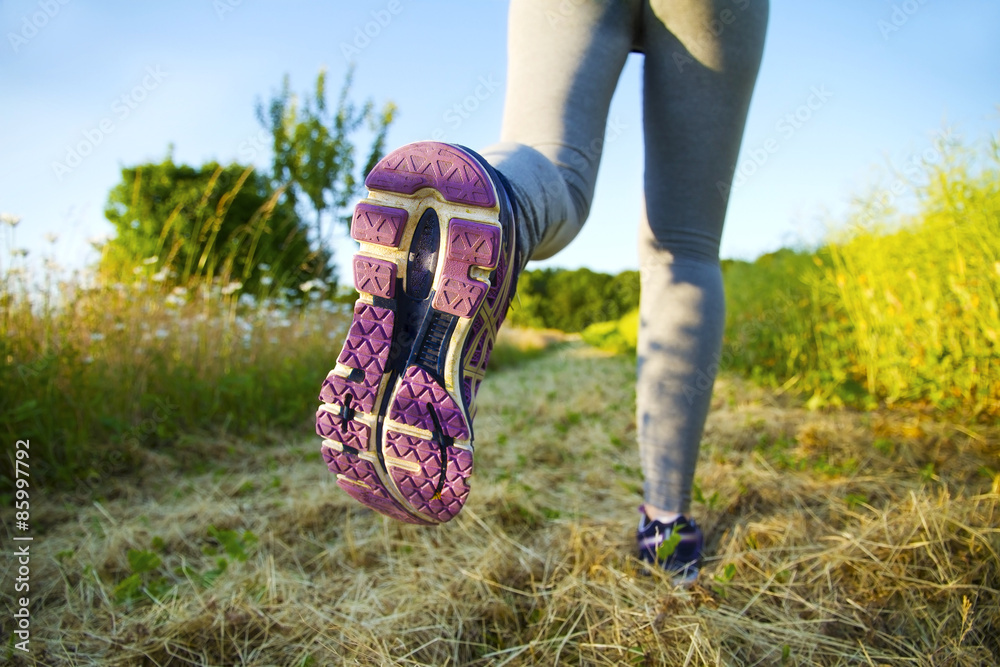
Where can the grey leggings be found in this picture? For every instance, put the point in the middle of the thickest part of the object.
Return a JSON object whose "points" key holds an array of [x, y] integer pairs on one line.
{"points": [[701, 61]]}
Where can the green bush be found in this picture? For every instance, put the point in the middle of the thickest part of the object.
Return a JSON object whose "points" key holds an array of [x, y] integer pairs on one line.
{"points": [[196, 224], [619, 336], [572, 300]]}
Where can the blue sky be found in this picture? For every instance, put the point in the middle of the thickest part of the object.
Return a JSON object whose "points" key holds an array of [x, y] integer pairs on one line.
{"points": [[130, 78]]}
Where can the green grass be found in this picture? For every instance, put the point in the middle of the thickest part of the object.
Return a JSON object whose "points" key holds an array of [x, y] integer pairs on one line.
{"points": [[94, 374], [896, 309], [923, 299]]}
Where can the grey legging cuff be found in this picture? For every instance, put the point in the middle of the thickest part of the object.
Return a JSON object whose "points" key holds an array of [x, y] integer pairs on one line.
{"points": [[701, 61]]}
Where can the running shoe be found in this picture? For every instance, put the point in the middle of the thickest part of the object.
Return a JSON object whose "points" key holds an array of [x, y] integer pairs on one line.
{"points": [[675, 546], [436, 272]]}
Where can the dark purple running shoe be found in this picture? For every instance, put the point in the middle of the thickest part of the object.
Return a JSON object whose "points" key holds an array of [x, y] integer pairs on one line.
{"points": [[674, 546], [436, 271]]}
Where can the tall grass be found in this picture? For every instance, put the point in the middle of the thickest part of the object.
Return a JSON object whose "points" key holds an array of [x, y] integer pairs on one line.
{"points": [[786, 326], [92, 371], [99, 366], [923, 300], [896, 309]]}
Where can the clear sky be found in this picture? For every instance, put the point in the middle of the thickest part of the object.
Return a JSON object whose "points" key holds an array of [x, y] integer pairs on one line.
{"points": [[126, 79]]}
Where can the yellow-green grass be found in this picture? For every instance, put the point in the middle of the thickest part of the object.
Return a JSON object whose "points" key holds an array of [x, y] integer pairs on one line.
{"points": [[833, 538], [897, 310], [93, 375], [142, 352], [924, 299]]}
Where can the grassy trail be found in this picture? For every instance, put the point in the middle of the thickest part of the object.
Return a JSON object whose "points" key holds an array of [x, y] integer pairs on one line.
{"points": [[834, 538]]}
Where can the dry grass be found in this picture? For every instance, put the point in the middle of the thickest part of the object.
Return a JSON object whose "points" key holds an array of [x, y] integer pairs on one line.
{"points": [[834, 538]]}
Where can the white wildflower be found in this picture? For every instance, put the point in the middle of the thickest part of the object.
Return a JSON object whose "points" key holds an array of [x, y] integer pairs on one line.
{"points": [[160, 275], [151, 260], [162, 333], [231, 287], [96, 337], [315, 283], [266, 280], [264, 267], [10, 219]]}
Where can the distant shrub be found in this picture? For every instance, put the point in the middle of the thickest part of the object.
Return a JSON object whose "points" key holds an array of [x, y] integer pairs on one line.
{"points": [[619, 336], [572, 300], [198, 224]]}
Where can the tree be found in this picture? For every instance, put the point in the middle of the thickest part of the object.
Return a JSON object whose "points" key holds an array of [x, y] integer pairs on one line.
{"points": [[208, 222], [314, 155]]}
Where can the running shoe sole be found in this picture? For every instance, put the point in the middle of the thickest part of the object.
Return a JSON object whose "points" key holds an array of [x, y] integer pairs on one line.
{"points": [[395, 421]]}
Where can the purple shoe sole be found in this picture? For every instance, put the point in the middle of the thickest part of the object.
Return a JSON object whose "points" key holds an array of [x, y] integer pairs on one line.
{"points": [[396, 413]]}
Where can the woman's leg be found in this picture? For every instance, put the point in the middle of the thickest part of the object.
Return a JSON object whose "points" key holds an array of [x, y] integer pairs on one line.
{"points": [[701, 63], [564, 60]]}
